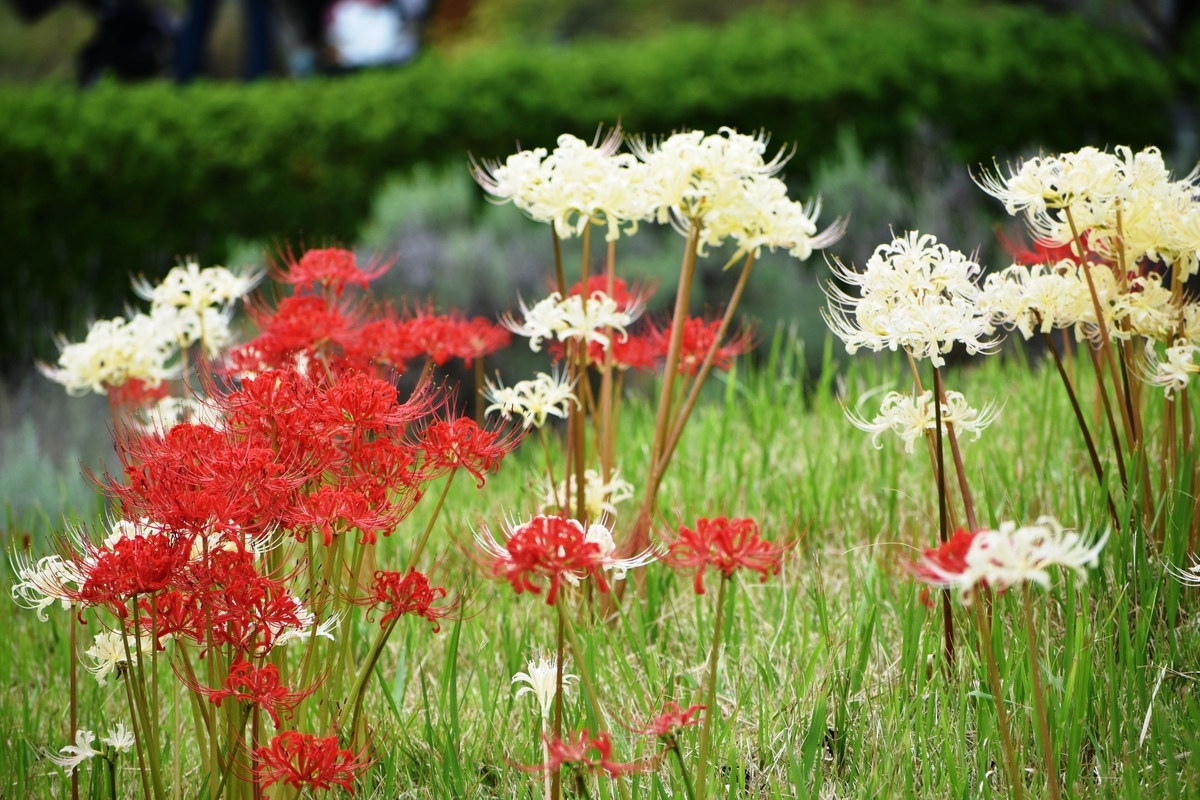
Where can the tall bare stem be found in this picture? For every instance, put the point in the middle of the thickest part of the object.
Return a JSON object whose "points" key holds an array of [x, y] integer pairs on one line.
{"points": [[710, 694]]}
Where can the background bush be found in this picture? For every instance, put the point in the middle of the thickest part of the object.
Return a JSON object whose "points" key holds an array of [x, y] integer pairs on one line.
{"points": [[97, 185]]}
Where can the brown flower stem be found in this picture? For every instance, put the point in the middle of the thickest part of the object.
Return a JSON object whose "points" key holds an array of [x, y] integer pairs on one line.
{"points": [[479, 383], [709, 358], [1108, 414], [558, 267], [1006, 744], [673, 746], [437, 510], [580, 432], [1097, 467], [710, 692], [943, 533], [687, 273], [605, 444], [1039, 700], [74, 695], [585, 260], [968, 502], [1105, 341], [930, 443]]}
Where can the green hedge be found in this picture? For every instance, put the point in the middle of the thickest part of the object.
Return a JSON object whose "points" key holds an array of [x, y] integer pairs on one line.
{"points": [[100, 184]]}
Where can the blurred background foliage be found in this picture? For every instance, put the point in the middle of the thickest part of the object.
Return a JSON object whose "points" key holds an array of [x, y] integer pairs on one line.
{"points": [[886, 103]]}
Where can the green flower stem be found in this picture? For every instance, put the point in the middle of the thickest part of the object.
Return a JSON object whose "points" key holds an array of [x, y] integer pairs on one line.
{"points": [[358, 692], [1015, 782], [1039, 699], [710, 693], [437, 510], [673, 746], [74, 694]]}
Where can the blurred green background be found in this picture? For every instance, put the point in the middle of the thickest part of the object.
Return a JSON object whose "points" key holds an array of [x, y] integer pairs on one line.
{"points": [[887, 104]]}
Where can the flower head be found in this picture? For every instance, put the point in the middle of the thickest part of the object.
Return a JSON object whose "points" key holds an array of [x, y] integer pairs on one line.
{"points": [[910, 417], [541, 680], [672, 720], [915, 294], [534, 400], [72, 755], [119, 738], [725, 545], [587, 753], [305, 761], [600, 497], [448, 445], [944, 565], [409, 593], [258, 686], [330, 268]]}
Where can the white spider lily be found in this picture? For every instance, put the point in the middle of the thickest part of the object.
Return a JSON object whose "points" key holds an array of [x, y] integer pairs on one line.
{"points": [[909, 417], [587, 319], [1015, 555], [119, 738], [915, 294], [115, 351], [600, 497], [541, 680], [72, 755], [1175, 371], [534, 400], [39, 584], [107, 653]]}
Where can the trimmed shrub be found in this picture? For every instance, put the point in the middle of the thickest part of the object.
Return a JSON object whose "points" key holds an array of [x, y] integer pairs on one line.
{"points": [[117, 180]]}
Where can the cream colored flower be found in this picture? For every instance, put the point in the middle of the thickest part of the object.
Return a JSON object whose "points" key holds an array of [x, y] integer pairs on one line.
{"points": [[119, 738], [588, 319], [534, 400], [541, 680], [115, 351], [915, 294], [600, 497], [73, 755], [910, 418], [1014, 555], [1174, 372], [39, 584], [108, 653]]}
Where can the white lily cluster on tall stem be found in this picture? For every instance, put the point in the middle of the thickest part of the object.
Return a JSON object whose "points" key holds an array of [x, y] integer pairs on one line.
{"points": [[911, 418], [190, 306]]}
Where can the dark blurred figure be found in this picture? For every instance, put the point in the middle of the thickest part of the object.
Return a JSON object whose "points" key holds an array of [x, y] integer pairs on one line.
{"points": [[192, 40], [131, 39]]}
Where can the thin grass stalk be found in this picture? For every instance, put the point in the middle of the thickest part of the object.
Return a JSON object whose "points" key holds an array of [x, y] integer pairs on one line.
{"points": [[74, 713], [134, 683], [963, 487], [558, 701], [1097, 467], [709, 358], [1039, 700], [943, 532], [437, 510], [1008, 752], [710, 694]]}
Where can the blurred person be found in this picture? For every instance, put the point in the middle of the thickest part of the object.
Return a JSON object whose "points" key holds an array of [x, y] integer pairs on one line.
{"points": [[131, 39], [369, 33], [192, 40]]}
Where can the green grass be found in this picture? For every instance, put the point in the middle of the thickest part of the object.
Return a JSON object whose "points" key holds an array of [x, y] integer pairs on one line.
{"points": [[831, 682]]}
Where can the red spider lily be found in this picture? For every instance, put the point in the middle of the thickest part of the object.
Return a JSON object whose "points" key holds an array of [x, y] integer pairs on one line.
{"points": [[133, 566], [306, 330], [1041, 253], [449, 445], [137, 393], [639, 353], [302, 760], [574, 751], [698, 337], [176, 614], [196, 477], [333, 510], [938, 564], [259, 687], [725, 545], [553, 548], [331, 268], [621, 293], [407, 594], [672, 720], [480, 337]]}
